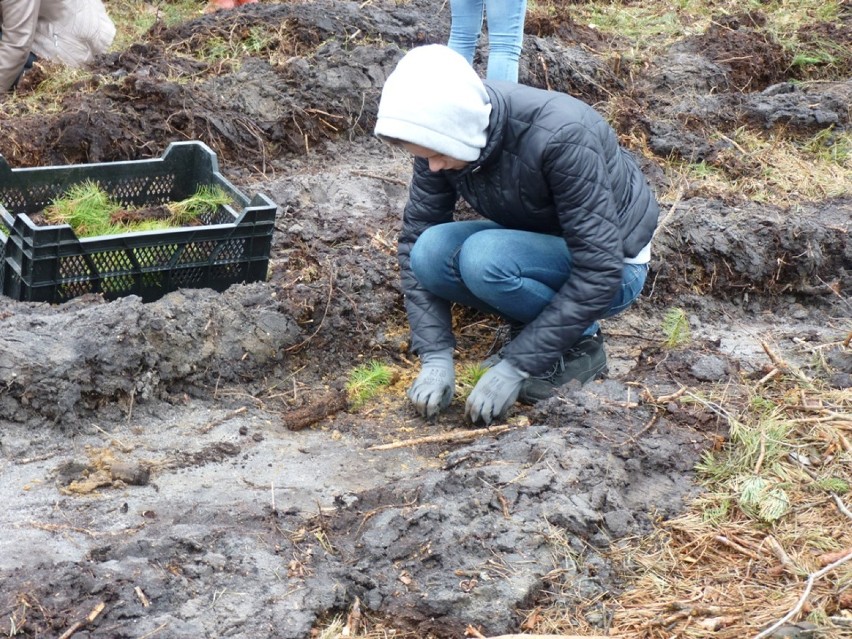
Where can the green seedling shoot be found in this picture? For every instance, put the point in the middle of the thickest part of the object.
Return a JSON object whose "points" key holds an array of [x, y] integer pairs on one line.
{"points": [[676, 328], [207, 199], [86, 208], [90, 211], [366, 381]]}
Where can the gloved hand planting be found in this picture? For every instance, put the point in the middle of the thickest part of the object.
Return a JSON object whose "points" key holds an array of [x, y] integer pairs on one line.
{"points": [[494, 393], [433, 389]]}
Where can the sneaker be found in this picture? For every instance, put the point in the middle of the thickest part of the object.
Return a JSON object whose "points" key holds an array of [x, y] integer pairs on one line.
{"points": [[585, 361]]}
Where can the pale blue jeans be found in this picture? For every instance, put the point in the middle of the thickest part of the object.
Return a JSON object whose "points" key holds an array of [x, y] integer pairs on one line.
{"points": [[511, 273], [505, 33]]}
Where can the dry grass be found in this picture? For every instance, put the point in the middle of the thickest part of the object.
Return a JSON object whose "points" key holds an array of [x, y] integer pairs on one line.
{"points": [[728, 567]]}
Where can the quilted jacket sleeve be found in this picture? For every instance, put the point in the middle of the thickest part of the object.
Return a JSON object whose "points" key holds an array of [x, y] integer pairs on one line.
{"points": [[431, 201], [578, 176], [19, 18]]}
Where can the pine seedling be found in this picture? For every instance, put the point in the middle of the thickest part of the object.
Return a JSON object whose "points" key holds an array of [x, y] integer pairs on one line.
{"points": [[469, 375], [205, 200], [366, 381], [675, 328], [762, 500], [833, 485], [85, 207]]}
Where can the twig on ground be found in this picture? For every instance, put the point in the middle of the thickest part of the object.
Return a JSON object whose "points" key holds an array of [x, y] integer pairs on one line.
{"points": [[644, 429], [221, 420], [452, 436], [665, 399], [837, 501], [840, 505], [154, 631], [692, 611], [784, 366], [144, 599], [97, 610], [353, 620], [775, 372], [678, 197], [804, 597], [383, 178], [831, 557], [762, 455], [735, 546], [781, 554]]}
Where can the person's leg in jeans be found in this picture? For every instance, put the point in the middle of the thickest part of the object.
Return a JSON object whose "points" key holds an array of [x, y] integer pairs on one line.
{"points": [[435, 261], [505, 23], [512, 273], [465, 26]]}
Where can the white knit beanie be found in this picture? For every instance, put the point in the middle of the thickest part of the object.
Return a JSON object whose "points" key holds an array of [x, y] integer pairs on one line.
{"points": [[435, 99]]}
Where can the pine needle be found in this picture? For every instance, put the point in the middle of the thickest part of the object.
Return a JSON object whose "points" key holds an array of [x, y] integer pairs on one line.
{"points": [[366, 381]]}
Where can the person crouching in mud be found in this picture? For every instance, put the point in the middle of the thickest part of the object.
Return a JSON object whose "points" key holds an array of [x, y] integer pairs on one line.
{"points": [[565, 241]]}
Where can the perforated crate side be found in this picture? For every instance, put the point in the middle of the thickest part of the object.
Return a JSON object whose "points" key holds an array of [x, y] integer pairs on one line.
{"points": [[4, 236], [49, 263], [176, 175]]}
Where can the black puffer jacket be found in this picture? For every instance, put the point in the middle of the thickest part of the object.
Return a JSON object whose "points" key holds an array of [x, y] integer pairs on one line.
{"points": [[552, 165]]}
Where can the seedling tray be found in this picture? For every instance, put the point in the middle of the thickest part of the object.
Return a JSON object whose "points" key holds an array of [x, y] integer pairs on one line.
{"points": [[51, 264]]}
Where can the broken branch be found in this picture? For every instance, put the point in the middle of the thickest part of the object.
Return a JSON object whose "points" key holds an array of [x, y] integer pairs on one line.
{"points": [[800, 604], [97, 610], [452, 436]]}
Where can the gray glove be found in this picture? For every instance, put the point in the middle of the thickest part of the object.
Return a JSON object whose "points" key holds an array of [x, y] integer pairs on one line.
{"points": [[433, 389], [494, 393]]}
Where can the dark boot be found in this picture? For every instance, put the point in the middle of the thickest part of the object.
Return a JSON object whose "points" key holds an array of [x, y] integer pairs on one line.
{"points": [[585, 361]]}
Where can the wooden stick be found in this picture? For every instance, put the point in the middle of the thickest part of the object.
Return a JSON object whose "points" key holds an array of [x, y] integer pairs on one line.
{"points": [[781, 554], [840, 505], [379, 177], [801, 603], [782, 365], [644, 429], [735, 546], [452, 436], [145, 601], [665, 399], [353, 621], [775, 372], [89, 619], [221, 420]]}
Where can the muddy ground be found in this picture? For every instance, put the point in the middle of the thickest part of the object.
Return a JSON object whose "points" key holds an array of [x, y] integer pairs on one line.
{"points": [[187, 467]]}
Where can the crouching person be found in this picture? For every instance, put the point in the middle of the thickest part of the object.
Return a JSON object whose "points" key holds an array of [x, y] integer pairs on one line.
{"points": [[565, 239], [71, 32]]}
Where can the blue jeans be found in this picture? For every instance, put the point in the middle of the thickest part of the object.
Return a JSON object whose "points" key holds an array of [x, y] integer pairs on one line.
{"points": [[505, 33], [514, 274]]}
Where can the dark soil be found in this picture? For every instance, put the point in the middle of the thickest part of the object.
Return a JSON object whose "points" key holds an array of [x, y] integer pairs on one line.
{"points": [[193, 464]]}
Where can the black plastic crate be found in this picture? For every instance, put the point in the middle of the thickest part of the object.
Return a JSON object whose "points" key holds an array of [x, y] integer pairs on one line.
{"points": [[51, 264]]}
